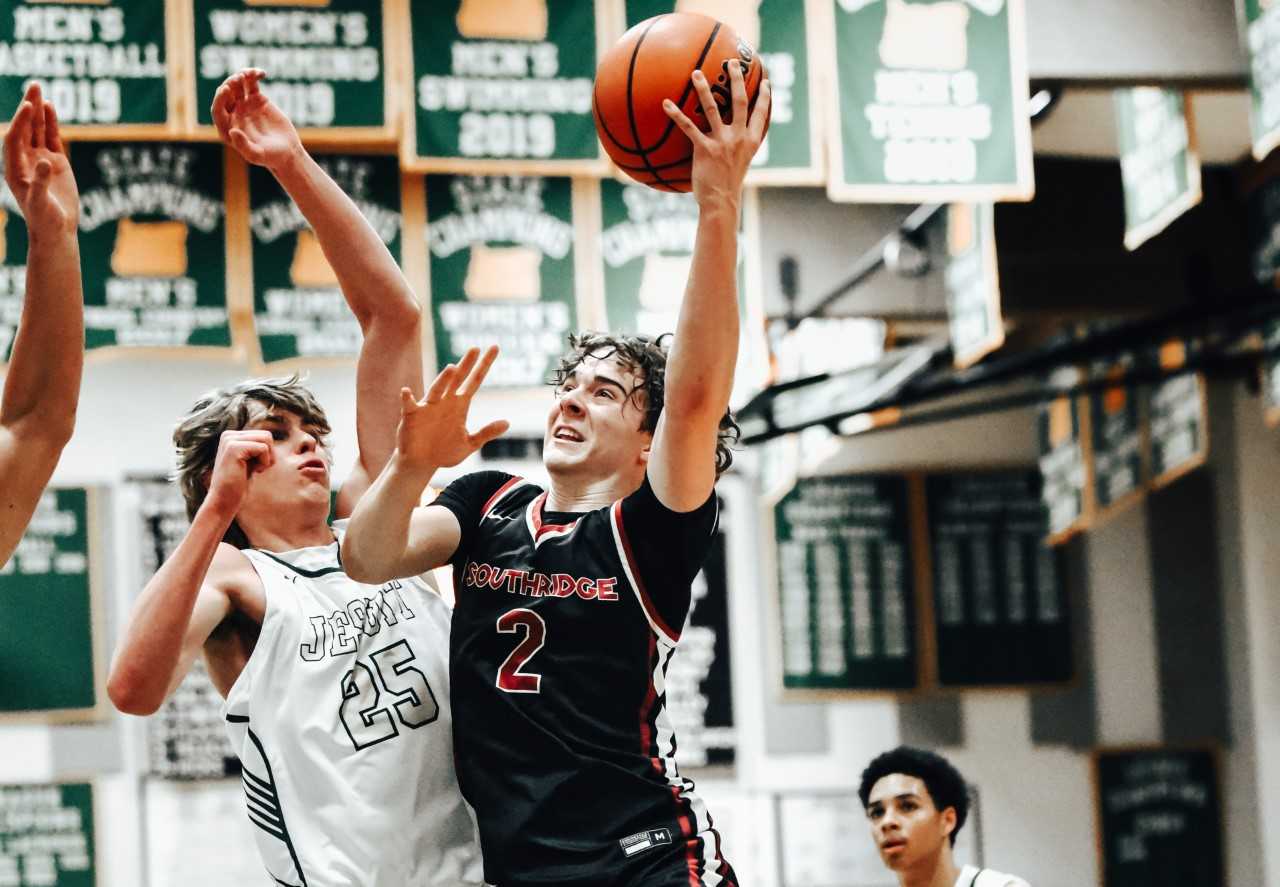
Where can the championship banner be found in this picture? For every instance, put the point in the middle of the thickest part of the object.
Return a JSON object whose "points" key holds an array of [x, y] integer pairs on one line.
{"points": [[47, 835], [107, 65], [972, 281], [1158, 160], [47, 653], [501, 271], [13, 266], [298, 309], [326, 64], [785, 34], [931, 101], [1177, 413], [1062, 426], [503, 86], [646, 248], [1260, 24], [187, 737], [1117, 431], [846, 584], [152, 244]]}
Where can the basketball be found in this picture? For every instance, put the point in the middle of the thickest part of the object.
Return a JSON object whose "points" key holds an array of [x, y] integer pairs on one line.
{"points": [[654, 61]]}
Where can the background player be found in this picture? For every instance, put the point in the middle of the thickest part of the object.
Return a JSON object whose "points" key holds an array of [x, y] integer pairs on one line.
{"points": [[570, 600], [42, 385], [917, 803], [336, 693]]}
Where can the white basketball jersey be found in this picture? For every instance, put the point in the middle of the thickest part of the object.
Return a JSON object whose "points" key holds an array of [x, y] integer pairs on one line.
{"points": [[342, 723], [972, 876]]}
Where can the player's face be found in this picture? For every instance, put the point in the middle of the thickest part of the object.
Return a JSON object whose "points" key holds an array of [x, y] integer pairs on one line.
{"points": [[299, 473], [905, 823], [594, 426]]}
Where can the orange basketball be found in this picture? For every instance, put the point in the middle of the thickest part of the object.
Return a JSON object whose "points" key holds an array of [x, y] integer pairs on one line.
{"points": [[654, 61]]}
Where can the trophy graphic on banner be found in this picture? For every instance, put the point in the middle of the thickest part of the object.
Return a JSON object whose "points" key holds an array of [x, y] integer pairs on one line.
{"points": [[741, 15], [503, 273], [931, 37], [310, 269], [503, 19], [149, 249]]}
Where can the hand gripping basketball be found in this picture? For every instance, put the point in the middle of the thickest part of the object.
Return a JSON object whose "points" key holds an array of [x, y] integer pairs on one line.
{"points": [[652, 63]]}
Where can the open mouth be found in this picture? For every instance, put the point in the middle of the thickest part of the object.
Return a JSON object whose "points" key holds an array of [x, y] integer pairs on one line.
{"points": [[314, 468], [567, 434]]}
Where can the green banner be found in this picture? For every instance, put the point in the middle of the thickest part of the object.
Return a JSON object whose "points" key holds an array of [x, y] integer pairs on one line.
{"points": [[152, 243], [930, 101], [972, 281], [1261, 26], [845, 584], [1000, 608], [326, 65], [501, 268], [503, 84], [1116, 427], [13, 266], [782, 31], [1158, 162], [46, 611], [1177, 412], [1262, 211], [1060, 433], [298, 309], [99, 63], [1159, 817], [46, 835]]}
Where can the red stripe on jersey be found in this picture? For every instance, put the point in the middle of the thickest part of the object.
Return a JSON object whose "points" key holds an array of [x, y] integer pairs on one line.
{"points": [[645, 600], [691, 853], [646, 712], [539, 528], [498, 494]]}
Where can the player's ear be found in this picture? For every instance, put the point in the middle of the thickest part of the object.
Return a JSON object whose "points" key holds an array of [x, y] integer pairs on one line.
{"points": [[948, 821]]}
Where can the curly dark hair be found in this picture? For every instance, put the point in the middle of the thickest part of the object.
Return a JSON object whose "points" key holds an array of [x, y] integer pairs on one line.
{"points": [[945, 784], [647, 357], [229, 409]]}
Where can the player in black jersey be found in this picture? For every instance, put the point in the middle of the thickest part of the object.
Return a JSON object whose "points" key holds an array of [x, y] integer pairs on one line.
{"points": [[570, 600]]}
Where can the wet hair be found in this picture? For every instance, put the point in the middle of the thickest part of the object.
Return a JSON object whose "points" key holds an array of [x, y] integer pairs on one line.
{"points": [[230, 409], [645, 356], [945, 784]]}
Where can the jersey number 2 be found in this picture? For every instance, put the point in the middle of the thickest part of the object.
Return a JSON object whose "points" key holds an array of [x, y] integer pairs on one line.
{"points": [[367, 715], [510, 676]]}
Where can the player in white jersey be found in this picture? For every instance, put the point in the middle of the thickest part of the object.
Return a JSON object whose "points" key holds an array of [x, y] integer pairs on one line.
{"points": [[336, 692], [917, 802]]}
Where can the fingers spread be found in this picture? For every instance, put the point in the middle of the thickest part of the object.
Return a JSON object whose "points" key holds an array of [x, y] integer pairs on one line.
{"points": [[738, 89], [760, 114], [493, 430], [408, 403], [708, 101], [440, 386], [686, 125], [476, 377]]}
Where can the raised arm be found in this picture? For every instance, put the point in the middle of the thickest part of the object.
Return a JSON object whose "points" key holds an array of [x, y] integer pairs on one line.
{"points": [[389, 536], [38, 409], [194, 590], [371, 281], [704, 350]]}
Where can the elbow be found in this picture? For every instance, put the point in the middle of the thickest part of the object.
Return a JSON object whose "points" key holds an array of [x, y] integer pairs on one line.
{"points": [[129, 696], [397, 313], [357, 567]]}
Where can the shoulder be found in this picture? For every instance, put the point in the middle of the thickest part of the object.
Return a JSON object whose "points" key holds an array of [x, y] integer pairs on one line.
{"points": [[991, 878], [232, 572]]}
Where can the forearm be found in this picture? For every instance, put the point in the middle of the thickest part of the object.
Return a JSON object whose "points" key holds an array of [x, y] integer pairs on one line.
{"points": [[43, 381], [376, 546], [154, 641], [370, 278], [704, 350]]}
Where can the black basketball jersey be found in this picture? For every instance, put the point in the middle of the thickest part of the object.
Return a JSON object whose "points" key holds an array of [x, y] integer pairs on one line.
{"points": [[562, 632]]}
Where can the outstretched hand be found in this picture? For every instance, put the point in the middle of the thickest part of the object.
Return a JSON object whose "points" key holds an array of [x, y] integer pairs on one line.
{"points": [[433, 431], [251, 123], [36, 167], [722, 156]]}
